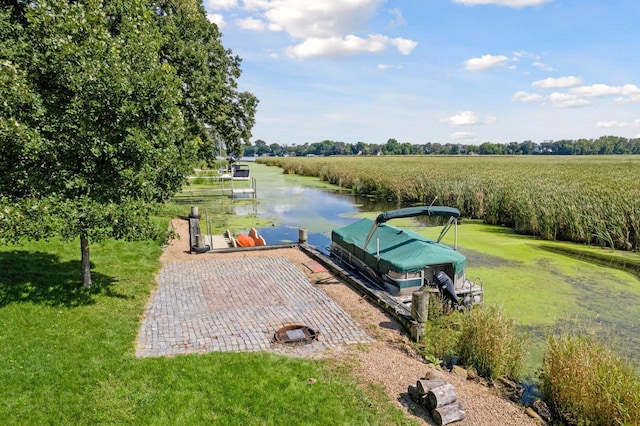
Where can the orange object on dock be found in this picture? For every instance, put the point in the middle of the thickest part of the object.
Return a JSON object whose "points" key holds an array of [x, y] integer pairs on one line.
{"points": [[245, 241]]}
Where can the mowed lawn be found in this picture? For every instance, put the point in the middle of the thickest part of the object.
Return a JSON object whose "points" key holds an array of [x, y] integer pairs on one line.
{"points": [[67, 355]]}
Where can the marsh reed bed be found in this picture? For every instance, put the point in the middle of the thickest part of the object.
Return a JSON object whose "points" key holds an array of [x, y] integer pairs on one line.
{"points": [[593, 200], [588, 200]]}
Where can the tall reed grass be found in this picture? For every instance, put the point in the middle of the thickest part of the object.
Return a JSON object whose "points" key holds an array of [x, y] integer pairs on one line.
{"points": [[592, 200], [586, 383], [490, 342], [483, 338]]}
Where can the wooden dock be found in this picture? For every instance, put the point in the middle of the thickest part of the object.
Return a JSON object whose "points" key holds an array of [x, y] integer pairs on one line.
{"points": [[226, 187]]}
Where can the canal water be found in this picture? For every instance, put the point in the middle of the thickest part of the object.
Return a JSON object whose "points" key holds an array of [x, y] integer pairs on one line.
{"points": [[544, 291], [295, 202]]}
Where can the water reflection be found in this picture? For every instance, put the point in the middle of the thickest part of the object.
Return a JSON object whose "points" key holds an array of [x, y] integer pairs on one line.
{"points": [[294, 205], [294, 202]]}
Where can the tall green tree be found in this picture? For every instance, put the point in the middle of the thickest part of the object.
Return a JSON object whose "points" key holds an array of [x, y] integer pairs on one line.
{"points": [[215, 112], [91, 126]]}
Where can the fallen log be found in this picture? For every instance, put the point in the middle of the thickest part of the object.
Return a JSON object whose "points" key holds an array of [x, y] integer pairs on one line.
{"points": [[423, 386], [440, 396], [448, 414]]}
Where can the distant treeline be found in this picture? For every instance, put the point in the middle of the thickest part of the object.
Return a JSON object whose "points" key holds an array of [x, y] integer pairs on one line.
{"points": [[605, 145]]}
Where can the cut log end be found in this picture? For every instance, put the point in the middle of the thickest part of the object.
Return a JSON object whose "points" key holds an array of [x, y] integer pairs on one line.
{"points": [[448, 414], [423, 386], [440, 396]]}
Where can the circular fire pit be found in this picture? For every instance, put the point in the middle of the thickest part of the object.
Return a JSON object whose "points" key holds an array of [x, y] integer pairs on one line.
{"points": [[295, 334]]}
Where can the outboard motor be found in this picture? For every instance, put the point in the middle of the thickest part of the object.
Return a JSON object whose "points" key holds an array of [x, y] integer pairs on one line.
{"points": [[445, 285]]}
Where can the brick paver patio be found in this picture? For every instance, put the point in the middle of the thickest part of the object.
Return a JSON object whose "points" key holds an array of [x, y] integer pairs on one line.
{"points": [[211, 304]]}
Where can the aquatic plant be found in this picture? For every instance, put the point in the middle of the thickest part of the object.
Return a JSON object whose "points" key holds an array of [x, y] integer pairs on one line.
{"points": [[593, 200], [491, 343], [585, 382]]}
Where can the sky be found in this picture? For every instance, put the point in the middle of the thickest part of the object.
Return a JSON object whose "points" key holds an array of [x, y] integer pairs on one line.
{"points": [[446, 71]]}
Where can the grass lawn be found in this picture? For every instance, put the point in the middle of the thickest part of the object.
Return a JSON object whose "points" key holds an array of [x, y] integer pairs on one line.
{"points": [[67, 355]]}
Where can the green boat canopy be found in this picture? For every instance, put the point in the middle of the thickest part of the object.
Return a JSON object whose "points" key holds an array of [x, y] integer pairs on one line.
{"points": [[401, 250], [442, 211]]}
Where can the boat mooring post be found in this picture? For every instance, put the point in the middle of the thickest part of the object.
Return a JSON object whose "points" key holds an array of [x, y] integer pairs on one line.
{"points": [[302, 236], [194, 228], [419, 312]]}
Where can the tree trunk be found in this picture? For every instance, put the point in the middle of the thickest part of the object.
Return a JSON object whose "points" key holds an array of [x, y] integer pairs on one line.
{"points": [[86, 262]]}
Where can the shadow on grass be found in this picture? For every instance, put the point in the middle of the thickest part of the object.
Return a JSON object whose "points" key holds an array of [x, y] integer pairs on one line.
{"points": [[41, 278]]}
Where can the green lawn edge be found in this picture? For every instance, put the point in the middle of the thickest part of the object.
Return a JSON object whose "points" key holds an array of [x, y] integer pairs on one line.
{"points": [[67, 354]]}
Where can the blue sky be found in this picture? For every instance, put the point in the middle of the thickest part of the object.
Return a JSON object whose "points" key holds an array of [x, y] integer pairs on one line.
{"points": [[459, 71]]}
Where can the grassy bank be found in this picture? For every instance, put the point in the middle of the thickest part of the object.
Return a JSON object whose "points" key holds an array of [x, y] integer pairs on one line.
{"points": [[67, 355]]}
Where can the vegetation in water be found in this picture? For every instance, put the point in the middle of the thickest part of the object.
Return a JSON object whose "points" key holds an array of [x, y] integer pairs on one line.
{"points": [[592, 200], [586, 383], [492, 343], [483, 338]]}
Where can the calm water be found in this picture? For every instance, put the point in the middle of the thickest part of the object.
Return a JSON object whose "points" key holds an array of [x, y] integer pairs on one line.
{"points": [[294, 203], [592, 294]]}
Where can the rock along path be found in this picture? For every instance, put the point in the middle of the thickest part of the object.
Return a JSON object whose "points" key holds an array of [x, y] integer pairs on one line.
{"points": [[220, 305]]}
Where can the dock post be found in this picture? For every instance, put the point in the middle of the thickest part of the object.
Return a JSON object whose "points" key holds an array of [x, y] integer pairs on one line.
{"points": [[194, 228], [254, 186], [302, 236], [419, 311]]}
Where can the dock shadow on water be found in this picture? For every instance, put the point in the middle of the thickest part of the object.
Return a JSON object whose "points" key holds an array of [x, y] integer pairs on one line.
{"points": [[41, 278]]}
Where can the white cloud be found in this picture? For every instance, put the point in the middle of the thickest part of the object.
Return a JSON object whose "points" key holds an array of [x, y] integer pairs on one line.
{"points": [[630, 90], [543, 67], [255, 4], [509, 3], [398, 19], [624, 100], [465, 118], [485, 62], [337, 47], [252, 24], [403, 45], [574, 99], [389, 67], [519, 54], [217, 19], [567, 100], [463, 136], [557, 83], [221, 4], [611, 124], [321, 19], [324, 28], [527, 97]]}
